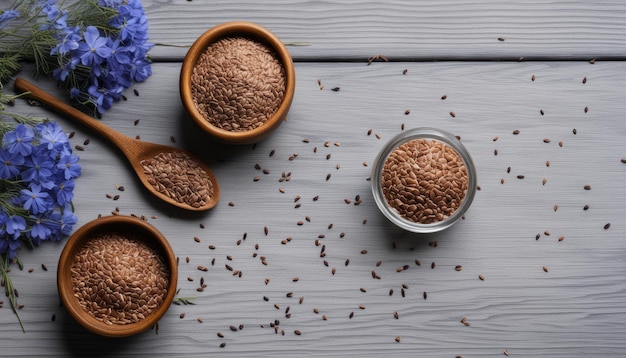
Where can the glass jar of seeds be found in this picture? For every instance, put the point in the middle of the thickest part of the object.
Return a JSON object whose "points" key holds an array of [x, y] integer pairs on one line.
{"points": [[423, 180]]}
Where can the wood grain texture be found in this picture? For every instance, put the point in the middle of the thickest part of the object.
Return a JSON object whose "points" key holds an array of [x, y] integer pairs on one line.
{"points": [[354, 30], [576, 309]]}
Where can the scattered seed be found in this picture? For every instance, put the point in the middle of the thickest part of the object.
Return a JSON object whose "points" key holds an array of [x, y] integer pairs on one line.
{"points": [[481, 277], [545, 269], [584, 79], [458, 268], [500, 38], [541, 112], [556, 207], [136, 92], [398, 339], [520, 177], [495, 138], [586, 207], [587, 187], [452, 114], [516, 132], [407, 112], [607, 226], [44, 267]]}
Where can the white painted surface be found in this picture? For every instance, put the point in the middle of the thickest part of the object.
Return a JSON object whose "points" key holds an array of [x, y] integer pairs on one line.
{"points": [[407, 29], [576, 309]]}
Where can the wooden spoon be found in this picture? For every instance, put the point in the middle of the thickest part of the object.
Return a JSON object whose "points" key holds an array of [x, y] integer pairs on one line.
{"points": [[135, 150]]}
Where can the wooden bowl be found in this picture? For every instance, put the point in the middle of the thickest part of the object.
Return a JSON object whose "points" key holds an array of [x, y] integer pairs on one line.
{"points": [[129, 227], [252, 32]]}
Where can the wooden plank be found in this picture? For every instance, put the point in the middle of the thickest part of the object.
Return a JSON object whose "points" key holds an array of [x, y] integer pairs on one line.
{"points": [[408, 30], [576, 309]]}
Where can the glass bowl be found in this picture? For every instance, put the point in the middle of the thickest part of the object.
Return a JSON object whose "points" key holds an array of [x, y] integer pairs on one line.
{"points": [[423, 180]]}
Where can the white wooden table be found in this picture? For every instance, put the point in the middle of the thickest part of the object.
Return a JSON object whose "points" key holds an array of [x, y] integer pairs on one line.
{"points": [[561, 295]]}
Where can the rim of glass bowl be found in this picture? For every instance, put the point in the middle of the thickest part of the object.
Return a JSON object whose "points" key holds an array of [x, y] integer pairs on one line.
{"points": [[418, 133]]}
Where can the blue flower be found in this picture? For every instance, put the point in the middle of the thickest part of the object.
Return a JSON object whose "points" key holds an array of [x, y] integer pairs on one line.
{"points": [[69, 165], [65, 192], [19, 140], [14, 224], [34, 199], [38, 169], [67, 221], [69, 41], [6, 16], [9, 245], [52, 136], [141, 70], [94, 50], [39, 230], [9, 164]]}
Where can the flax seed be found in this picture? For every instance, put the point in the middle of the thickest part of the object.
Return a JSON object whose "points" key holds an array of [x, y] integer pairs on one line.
{"points": [[222, 67]]}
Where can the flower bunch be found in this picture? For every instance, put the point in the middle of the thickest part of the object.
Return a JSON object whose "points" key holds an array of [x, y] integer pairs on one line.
{"points": [[37, 173], [96, 49]]}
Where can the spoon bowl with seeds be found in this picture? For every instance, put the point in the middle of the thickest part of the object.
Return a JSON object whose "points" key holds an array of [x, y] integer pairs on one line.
{"points": [[171, 174]]}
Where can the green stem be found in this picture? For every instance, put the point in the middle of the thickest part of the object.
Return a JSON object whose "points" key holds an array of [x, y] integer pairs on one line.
{"points": [[9, 289]]}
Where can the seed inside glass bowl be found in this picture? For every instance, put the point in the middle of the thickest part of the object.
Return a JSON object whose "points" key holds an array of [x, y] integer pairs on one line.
{"points": [[238, 84], [119, 278], [424, 180]]}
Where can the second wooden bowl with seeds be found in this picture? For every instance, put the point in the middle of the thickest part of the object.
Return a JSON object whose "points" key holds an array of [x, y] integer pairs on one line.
{"points": [[424, 180], [117, 276], [237, 82]]}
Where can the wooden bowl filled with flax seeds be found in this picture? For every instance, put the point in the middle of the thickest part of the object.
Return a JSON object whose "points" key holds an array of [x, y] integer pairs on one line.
{"points": [[117, 276], [424, 180], [237, 82]]}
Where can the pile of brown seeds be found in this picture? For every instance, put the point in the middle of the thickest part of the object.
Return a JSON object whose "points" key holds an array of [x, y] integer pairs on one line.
{"points": [[424, 180], [179, 177], [238, 84], [119, 279]]}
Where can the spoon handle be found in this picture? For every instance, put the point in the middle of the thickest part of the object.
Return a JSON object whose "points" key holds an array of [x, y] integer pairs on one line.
{"points": [[66, 110]]}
